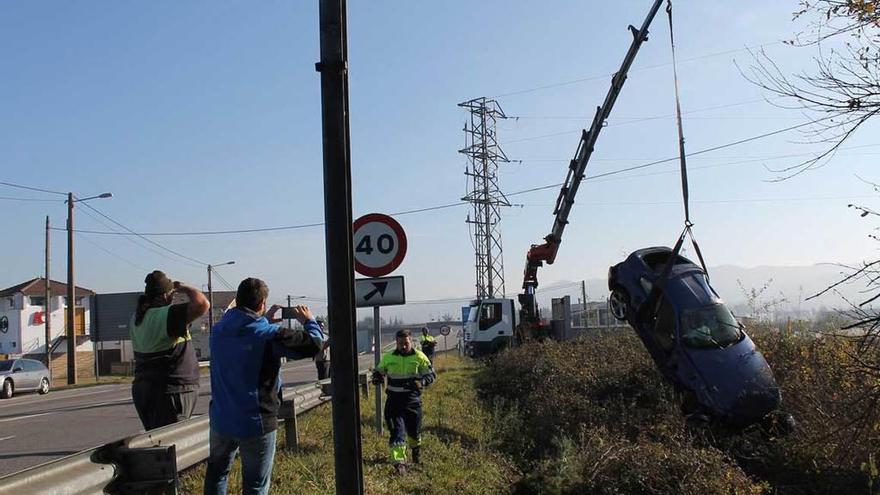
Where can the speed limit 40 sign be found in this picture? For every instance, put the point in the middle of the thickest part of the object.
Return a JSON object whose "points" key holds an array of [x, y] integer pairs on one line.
{"points": [[379, 245]]}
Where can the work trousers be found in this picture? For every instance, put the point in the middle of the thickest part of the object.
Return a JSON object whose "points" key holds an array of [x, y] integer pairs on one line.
{"points": [[403, 416], [158, 408], [323, 368]]}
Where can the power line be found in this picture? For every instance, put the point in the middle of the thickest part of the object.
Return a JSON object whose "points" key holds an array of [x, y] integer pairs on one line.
{"points": [[128, 237], [675, 158], [99, 212], [111, 253], [633, 120], [10, 198], [29, 188], [460, 203], [637, 69]]}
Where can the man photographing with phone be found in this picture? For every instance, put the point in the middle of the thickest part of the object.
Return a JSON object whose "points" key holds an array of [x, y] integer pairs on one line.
{"points": [[247, 345]]}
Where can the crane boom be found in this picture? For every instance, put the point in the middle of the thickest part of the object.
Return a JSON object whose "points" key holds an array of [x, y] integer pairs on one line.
{"points": [[538, 254]]}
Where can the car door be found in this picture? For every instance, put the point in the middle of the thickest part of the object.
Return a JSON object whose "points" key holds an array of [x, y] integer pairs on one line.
{"points": [[35, 371], [21, 376]]}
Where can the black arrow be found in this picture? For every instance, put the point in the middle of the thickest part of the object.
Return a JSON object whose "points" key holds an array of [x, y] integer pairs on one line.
{"points": [[379, 289]]}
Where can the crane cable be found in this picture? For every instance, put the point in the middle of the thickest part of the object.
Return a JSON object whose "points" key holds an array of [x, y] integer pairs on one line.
{"points": [[688, 225]]}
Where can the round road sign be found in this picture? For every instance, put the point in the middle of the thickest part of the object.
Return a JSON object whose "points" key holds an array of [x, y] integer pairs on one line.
{"points": [[379, 245], [444, 330]]}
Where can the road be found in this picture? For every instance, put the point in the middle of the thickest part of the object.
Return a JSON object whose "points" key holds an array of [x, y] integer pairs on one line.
{"points": [[39, 428]]}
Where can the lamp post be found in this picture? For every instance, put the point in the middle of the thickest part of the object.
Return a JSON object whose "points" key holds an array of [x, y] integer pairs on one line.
{"points": [[211, 293], [71, 287]]}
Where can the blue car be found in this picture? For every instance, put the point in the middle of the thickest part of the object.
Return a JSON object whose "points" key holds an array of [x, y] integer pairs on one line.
{"points": [[694, 339]]}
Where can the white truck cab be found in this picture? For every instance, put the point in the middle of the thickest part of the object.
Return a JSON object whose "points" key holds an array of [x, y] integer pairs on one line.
{"points": [[489, 326]]}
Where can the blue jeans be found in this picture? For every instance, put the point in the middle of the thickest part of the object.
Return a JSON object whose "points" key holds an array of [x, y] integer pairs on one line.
{"points": [[257, 456]]}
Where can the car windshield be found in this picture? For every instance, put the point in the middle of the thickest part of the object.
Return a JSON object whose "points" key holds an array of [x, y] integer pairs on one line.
{"points": [[6, 365], [473, 313], [709, 326]]}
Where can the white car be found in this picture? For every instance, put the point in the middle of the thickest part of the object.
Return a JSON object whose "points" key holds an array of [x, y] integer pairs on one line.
{"points": [[23, 375]]}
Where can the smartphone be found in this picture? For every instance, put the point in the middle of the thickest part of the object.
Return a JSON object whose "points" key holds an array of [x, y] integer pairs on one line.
{"points": [[287, 313]]}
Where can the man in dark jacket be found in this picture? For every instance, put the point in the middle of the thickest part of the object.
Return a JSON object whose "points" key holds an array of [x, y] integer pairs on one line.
{"points": [[166, 373], [246, 351]]}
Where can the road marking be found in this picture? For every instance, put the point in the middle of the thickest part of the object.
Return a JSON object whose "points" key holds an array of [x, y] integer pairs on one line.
{"points": [[7, 438], [24, 417], [60, 395]]}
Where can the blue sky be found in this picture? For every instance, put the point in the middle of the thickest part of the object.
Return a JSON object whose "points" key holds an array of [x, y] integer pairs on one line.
{"points": [[206, 116]]}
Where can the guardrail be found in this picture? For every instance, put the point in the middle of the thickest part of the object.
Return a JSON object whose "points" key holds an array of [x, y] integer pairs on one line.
{"points": [[150, 462]]}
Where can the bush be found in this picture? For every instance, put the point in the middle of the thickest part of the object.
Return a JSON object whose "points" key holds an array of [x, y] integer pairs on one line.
{"points": [[595, 416]]}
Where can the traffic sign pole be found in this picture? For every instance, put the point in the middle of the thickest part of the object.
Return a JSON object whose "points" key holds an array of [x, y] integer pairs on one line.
{"points": [[339, 249]]}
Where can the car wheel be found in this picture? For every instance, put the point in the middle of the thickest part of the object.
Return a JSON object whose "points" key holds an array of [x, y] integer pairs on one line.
{"points": [[617, 303], [7, 390], [44, 386]]}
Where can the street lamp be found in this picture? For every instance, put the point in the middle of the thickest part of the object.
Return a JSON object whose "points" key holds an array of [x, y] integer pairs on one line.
{"points": [[211, 293], [71, 287]]}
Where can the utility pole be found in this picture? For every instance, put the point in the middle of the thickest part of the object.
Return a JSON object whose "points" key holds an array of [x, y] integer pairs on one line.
{"points": [[289, 324], [333, 68], [47, 294], [584, 303], [210, 301], [71, 288], [211, 292], [71, 298]]}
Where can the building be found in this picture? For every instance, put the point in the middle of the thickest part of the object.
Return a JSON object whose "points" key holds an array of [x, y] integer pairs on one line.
{"points": [[113, 314], [23, 328]]}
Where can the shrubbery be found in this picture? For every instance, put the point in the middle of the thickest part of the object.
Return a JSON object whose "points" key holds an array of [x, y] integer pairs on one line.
{"points": [[595, 416]]}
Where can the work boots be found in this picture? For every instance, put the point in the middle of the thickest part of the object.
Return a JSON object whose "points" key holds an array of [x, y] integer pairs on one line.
{"points": [[417, 455], [400, 468]]}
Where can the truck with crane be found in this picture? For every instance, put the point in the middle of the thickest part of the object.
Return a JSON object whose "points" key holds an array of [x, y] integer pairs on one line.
{"points": [[494, 324]]}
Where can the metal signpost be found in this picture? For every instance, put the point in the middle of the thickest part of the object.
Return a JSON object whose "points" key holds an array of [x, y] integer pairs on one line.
{"points": [[379, 248], [444, 331]]}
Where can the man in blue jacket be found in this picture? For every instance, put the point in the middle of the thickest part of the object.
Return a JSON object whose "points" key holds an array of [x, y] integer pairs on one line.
{"points": [[246, 351]]}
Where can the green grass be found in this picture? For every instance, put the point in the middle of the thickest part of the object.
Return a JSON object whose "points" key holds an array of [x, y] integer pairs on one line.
{"points": [[456, 454]]}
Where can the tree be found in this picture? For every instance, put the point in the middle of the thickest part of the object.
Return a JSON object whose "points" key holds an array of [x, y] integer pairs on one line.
{"points": [[841, 94], [844, 90]]}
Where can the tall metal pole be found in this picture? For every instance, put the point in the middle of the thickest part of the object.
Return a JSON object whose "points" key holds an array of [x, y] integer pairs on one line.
{"points": [[71, 297], [289, 323], [377, 356], [584, 303], [338, 240], [47, 294], [210, 301]]}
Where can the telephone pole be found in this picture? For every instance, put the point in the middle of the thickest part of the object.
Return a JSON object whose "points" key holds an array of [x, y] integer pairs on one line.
{"points": [[71, 289], [47, 294], [584, 304], [484, 154]]}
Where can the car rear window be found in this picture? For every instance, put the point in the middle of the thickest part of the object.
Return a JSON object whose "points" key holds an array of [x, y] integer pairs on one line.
{"points": [[658, 260]]}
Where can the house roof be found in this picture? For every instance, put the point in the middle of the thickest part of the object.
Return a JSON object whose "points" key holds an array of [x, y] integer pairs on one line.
{"points": [[37, 287]]}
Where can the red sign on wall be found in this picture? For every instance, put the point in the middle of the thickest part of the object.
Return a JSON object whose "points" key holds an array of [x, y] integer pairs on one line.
{"points": [[38, 318]]}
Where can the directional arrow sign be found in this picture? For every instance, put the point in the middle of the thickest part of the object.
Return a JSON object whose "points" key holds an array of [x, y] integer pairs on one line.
{"points": [[384, 291]]}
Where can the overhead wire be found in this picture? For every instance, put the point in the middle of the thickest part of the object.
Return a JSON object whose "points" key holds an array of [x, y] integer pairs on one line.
{"points": [[111, 253], [636, 69], [141, 236], [30, 188], [127, 236]]}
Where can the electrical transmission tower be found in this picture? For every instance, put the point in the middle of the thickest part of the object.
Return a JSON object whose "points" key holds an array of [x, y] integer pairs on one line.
{"points": [[484, 154]]}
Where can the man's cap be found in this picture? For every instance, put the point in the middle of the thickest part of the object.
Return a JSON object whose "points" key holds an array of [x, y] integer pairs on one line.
{"points": [[402, 333], [157, 283], [424, 329], [319, 320]]}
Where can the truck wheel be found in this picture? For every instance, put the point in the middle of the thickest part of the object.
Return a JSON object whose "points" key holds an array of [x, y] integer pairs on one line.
{"points": [[617, 303], [7, 390]]}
